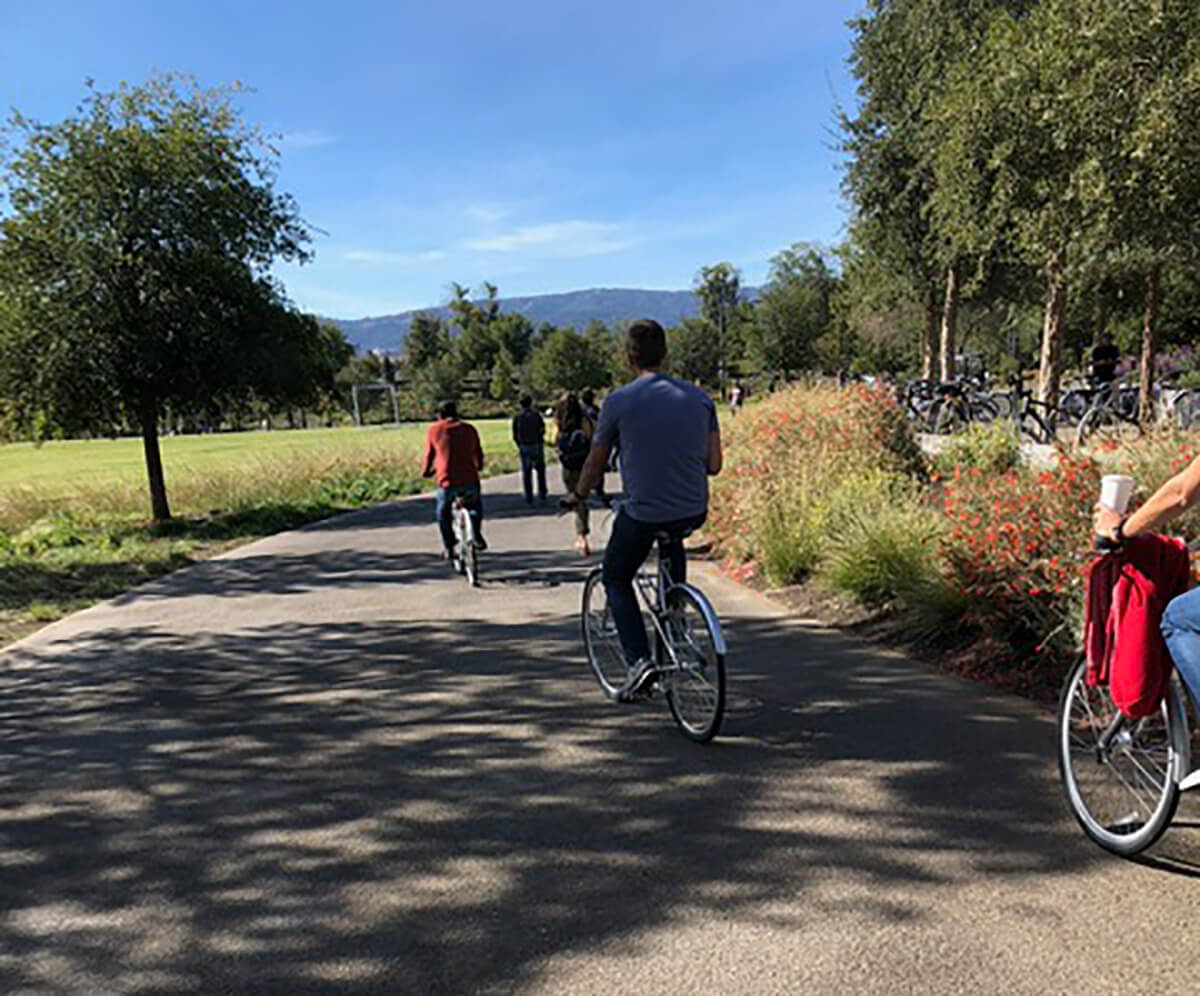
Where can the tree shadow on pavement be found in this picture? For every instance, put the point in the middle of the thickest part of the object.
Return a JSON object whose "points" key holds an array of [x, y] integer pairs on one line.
{"points": [[439, 807]]}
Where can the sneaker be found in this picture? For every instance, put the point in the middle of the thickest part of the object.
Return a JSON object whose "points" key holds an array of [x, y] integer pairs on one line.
{"points": [[481, 542], [448, 553], [639, 679]]}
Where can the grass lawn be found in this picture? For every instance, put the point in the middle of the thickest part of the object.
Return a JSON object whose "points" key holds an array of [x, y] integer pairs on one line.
{"points": [[57, 469], [74, 514]]}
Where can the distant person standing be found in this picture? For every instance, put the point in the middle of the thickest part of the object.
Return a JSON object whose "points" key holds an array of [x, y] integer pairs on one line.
{"points": [[454, 458], [574, 443], [1103, 359], [529, 433], [736, 396], [591, 412]]}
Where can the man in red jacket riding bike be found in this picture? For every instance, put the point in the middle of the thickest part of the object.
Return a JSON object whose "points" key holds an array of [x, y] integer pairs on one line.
{"points": [[454, 458]]}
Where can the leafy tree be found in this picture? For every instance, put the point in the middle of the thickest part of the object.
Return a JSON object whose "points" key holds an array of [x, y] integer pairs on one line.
{"points": [[568, 361], [694, 351], [426, 339], [794, 311], [718, 287], [504, 377], [135, 261]]}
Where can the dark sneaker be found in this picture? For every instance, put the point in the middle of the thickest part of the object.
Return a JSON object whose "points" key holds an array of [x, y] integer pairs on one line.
{"points": [[481, 542], [448, 553], [640, 677]]}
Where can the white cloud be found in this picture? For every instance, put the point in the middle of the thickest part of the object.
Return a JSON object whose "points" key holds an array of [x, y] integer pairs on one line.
{"points": [[384, 257], [486, 214], [570, 239], [306, 139]]}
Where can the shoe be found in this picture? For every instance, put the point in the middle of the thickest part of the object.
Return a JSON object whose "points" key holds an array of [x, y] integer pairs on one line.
{"points": [[582, 548], [448, 553], [481, 543], [638, 681]]}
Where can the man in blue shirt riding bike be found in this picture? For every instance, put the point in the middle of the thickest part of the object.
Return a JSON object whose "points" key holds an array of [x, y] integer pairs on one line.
{"points": [[670, 444]]}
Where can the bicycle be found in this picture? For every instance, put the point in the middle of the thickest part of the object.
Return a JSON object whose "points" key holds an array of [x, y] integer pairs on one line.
{"points": [[1122, 777], [689, 648], [466, 541], [1110, 416]]}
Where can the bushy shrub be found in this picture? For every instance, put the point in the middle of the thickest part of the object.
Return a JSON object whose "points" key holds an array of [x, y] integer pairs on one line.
{"points": [[787, 457], [1017, 549], [993, 448], [882, 545]]}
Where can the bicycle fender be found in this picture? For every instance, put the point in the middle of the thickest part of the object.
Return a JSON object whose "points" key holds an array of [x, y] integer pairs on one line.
{"points": [[710, 615]]}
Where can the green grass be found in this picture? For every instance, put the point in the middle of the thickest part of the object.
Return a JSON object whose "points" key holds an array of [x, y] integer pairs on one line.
{"points": [[58, 468], [74, 515]]}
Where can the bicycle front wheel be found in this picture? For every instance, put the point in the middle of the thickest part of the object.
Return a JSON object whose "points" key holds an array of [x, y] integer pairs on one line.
{"points": [[691, 667], [1125, 794], [600, 638]]}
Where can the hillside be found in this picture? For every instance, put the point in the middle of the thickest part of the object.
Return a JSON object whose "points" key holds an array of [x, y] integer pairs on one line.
{"points": [[575, 308]]}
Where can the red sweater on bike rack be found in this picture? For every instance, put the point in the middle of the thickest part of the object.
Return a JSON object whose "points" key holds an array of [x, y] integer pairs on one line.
{"points": [[1127, 591]]}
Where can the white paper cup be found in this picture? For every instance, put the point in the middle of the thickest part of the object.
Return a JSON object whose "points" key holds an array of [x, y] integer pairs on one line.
{"points": [[1115, 491]]}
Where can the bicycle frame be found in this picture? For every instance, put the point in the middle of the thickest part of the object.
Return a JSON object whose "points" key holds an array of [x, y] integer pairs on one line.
{"points": [[653, 596]]}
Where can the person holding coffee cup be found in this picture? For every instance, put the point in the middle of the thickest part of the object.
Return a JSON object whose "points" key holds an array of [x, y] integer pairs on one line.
{"points": [[1109, 518]]}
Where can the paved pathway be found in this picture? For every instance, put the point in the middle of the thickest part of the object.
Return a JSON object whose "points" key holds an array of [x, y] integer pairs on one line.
{"points": [[321, 764]]}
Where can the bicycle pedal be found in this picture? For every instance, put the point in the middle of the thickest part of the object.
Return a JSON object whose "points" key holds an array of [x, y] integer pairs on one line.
{"points": [[1190, 781]]}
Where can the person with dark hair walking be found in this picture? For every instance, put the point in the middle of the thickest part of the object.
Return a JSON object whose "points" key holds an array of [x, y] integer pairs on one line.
{"points": [[454, 458], [574, 442], [591, 411], [670, 444], [529, 433]]}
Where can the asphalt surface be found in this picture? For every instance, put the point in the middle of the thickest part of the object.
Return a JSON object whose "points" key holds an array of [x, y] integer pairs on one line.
{"points": [[323, 764]]}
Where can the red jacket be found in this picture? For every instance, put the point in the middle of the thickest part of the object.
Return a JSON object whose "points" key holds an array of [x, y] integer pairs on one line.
{"points": [[453, 454], [1127, 592]]}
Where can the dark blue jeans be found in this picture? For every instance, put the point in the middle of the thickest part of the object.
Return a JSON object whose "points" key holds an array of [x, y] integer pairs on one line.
{"points": [[533, 458], [1181, 629], [627, 549], [443, 506]]}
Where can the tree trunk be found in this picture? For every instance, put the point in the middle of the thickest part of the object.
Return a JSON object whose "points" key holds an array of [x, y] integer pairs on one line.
{"points": [[148, 416], [1052, 329], [929, 333], [1149, 346], [949, 324]]}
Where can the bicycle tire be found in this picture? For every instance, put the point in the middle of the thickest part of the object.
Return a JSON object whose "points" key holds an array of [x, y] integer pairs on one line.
{"points": [[949, 417], [1105, 423], [458, 559], [600, 638], [1126, 797], [1031, 425], [471, 562], [694, 681]]}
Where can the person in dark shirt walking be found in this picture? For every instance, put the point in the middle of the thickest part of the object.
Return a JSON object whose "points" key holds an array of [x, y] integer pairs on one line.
{"points": [[529, 433]]}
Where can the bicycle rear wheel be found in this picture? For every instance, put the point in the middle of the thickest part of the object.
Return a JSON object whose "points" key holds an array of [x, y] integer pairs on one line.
{"points": [[1125, 795], [692, 668], [471, 562], [600, 638], [1106, 424]]}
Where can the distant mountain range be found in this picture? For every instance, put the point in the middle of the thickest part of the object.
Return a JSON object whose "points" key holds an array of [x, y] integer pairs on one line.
{"points": [[575, 308]]}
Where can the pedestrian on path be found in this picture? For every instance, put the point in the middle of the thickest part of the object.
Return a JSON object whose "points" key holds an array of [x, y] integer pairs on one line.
{"points": [[529, 433], [591, 412], [573, 444]]}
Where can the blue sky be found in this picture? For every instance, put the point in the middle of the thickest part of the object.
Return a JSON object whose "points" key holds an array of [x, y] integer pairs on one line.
{"points": [[544, 145]]}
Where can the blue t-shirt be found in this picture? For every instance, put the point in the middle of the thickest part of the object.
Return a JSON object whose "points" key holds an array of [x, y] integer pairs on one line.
{"points": [[662, 426]]}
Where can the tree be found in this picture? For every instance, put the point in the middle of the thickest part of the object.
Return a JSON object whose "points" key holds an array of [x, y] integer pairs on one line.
{"points": [[504, 377], [718, 287], [426, 339], [136, 260], [568, 361], [794, 310], [694, 352]]}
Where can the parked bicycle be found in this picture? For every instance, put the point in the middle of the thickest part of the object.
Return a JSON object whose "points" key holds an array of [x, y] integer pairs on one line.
{"points": [[1111, 416], [466, 541], [689, 648]]}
